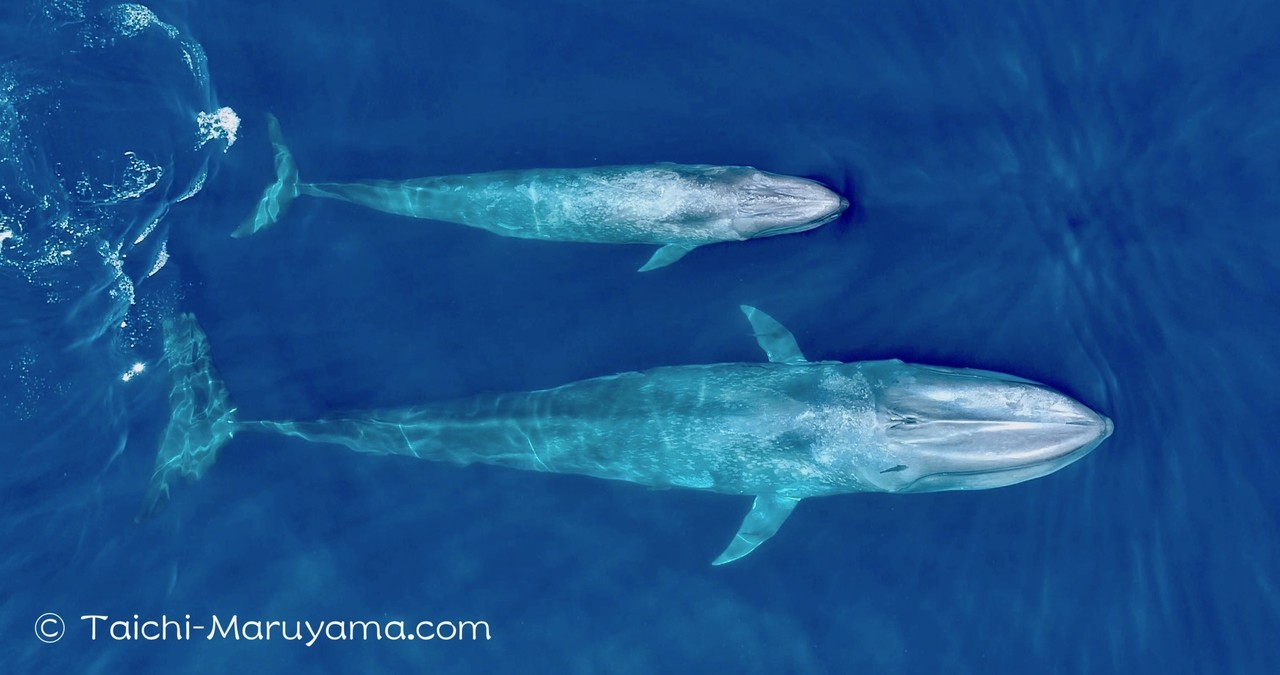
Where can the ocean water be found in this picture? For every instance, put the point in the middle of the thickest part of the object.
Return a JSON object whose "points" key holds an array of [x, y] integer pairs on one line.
{"points": [[1080, 193]]}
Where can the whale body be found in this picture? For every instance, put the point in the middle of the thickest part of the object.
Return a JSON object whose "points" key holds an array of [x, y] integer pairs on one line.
{"points": [[676, 206], [780, 431]]}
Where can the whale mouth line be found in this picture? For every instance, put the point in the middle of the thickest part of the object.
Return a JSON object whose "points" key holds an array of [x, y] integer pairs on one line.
{"points": [[908, 423], [803, 226], [793, 229], [983, 472]]}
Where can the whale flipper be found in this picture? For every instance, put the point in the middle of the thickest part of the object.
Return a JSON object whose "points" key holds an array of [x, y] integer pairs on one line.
{"points": [[777, 342], [201, 418], [667, 255], [766, 516], [280, 194]]}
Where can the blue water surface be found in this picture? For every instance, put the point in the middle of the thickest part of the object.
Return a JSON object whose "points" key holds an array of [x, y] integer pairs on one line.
{"points": [[1080, 193]]}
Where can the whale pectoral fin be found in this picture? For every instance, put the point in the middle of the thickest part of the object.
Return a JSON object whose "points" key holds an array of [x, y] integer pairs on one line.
{"points": [[766, 516], [667, 255], [777, 342]]}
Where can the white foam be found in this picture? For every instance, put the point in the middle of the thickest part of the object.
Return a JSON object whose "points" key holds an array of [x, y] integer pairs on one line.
{"points": [[63, 10], [139, 178], [221, 123], [133, 371], [125, 21], [196, 185], [146, 232], [136, 179], [160, 260], [129, 20], [194, 56]]}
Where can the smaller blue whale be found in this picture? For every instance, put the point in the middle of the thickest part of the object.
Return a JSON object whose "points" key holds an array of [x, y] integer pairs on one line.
{"points": [[676, 206]]}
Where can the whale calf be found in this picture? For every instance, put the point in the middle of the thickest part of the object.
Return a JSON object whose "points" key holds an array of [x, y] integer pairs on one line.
{"points": [[780, 431], [676, 206]]}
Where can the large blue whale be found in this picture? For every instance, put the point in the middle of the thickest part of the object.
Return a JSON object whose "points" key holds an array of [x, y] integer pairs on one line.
{"points": [[780, 431], [676, 206]]}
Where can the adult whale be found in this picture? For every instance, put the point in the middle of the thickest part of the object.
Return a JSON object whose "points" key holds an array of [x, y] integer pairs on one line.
{"points": [[780, 431], [677, 206]]}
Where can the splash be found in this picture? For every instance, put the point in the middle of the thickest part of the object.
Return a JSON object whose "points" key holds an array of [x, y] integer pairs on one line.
{"points": [[221, 123], [135, 370]]}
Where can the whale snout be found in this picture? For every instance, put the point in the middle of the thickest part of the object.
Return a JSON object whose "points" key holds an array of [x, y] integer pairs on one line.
{"points": [[772, 205], [828, 206], [964, 429]]}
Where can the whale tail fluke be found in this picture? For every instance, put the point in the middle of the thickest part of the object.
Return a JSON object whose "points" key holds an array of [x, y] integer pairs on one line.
{"points": [[280, 194], [201, 419]]}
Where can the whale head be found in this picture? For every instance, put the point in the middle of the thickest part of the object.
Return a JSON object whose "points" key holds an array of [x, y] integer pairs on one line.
{"points": [[770, 204], [964, 429]]}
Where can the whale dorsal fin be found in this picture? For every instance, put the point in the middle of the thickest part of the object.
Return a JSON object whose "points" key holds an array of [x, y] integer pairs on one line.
{"points": [[766, 516], [777, 342], [667, 255]]}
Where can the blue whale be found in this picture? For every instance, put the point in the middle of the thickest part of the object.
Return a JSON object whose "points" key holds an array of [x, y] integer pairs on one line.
{"points": [[679, 207], [780, 431]]}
